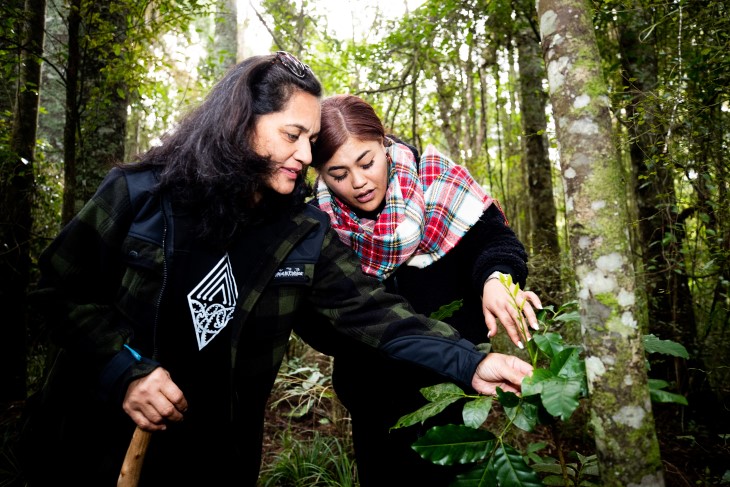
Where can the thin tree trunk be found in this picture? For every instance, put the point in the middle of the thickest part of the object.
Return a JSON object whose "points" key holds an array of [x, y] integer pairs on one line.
{"points": [[226, 34], [72, 113], [17, 188], [669, 297], [545, 249], [597, 217], [96, 101]]}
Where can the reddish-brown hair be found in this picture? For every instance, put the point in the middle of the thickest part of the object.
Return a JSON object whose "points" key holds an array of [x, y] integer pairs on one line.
{"points": [[345, 116]]}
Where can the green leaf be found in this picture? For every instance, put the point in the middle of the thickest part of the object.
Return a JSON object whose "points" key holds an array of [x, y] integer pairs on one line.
{"points": [[507, 399], [451, 444], [657, 384], [665, 396], [447, 310], [512, 470], [560, 396], [533, 384], [569, 317], [568, 364], [442, 391], [422, 414], [587, 459], [548, 468], [479, 476], [552, 480], [534, 447], [523, 416], [549, 343], [475, 412], [652, 344]]}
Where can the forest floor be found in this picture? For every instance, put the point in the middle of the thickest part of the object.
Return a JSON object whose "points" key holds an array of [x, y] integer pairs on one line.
{"points": [[693, 457], [694, 445]]}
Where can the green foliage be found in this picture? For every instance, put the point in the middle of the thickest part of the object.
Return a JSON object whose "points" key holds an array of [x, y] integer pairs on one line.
{"points": [[575, 473], [447, 310], [302, 386], [552, 393], [319, 461], [652, 344]]}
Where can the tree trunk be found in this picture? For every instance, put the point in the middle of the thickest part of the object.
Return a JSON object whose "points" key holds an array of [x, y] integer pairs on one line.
{"points": [[96, 101], [16, 190], [226, 35], [72, 113], [545, 249], [597, 218], [669, 297]]}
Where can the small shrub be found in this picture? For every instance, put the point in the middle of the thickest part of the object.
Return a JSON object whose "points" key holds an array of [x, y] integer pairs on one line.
{"points": [[552, 393]]}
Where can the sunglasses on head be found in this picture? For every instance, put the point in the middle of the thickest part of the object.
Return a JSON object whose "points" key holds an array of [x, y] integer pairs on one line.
{"points": [[294, 65]]}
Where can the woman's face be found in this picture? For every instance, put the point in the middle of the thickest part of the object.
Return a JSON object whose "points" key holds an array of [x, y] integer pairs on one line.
{"points": [[286, 137], [358, 174]]}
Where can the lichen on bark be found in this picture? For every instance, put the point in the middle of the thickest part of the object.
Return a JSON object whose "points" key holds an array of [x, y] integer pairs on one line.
{"points": [[597, 219]]}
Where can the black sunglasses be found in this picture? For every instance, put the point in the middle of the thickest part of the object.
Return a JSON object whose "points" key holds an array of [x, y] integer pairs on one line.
{"points": [[294, 65]]}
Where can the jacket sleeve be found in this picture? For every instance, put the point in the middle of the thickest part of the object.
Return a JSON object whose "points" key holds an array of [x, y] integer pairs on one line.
{"points": [[81, 272], [358, 306], [497, 248]]}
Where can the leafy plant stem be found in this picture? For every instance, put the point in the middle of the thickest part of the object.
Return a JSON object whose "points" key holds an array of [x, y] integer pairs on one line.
{"points": [[557, 439]]}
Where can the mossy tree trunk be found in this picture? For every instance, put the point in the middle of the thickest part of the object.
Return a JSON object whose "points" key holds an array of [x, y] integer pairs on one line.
{"points": [[597, 219]]}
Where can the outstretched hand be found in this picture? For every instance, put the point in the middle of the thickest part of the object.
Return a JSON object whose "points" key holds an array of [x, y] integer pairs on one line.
{"points": [[497, 304], [153, 400], [499, 370]]}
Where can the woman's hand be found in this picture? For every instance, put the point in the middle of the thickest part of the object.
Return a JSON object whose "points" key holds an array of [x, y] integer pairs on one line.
{"points": [[497, 304], [499, 370], [153, 400]]}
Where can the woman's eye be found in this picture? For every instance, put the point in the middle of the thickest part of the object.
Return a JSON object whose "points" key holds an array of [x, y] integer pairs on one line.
{"points": [[339, 177], [293, 137], [369, 164]]}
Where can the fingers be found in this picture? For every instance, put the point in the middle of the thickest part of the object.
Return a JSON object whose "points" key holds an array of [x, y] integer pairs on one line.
{"points": [[176, 399], [153, 400], [519, 369], [509, 318], [500, 370], [491, 322], [516, 314], [531, 300]]}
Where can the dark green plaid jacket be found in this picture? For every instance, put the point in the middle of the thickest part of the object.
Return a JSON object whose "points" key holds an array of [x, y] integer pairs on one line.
{"points": [[102, 283]]}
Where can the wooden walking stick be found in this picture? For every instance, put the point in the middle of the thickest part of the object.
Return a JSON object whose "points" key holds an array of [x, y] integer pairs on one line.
{"points": [[132, 466]]}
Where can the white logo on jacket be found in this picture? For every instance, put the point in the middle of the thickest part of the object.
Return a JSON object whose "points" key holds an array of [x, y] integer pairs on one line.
{"points": [[213, 301]]}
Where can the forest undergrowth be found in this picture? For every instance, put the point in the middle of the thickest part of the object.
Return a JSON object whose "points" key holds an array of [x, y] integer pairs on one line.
{"points": [[694, 441], [304, 414]]}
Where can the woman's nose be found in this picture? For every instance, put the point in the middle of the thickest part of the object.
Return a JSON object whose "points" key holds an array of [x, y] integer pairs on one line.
{"points": [[304, 152], [358, 180]]}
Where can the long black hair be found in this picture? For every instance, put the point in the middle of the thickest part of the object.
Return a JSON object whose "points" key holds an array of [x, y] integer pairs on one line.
{"points": [[209, 166]]}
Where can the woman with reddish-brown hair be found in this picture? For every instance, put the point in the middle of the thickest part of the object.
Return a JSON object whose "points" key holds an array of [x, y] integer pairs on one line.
{"points": [[425, 228]]}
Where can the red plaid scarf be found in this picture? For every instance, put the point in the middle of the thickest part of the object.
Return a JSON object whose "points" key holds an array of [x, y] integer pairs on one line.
{"points": [[424, 217]]}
